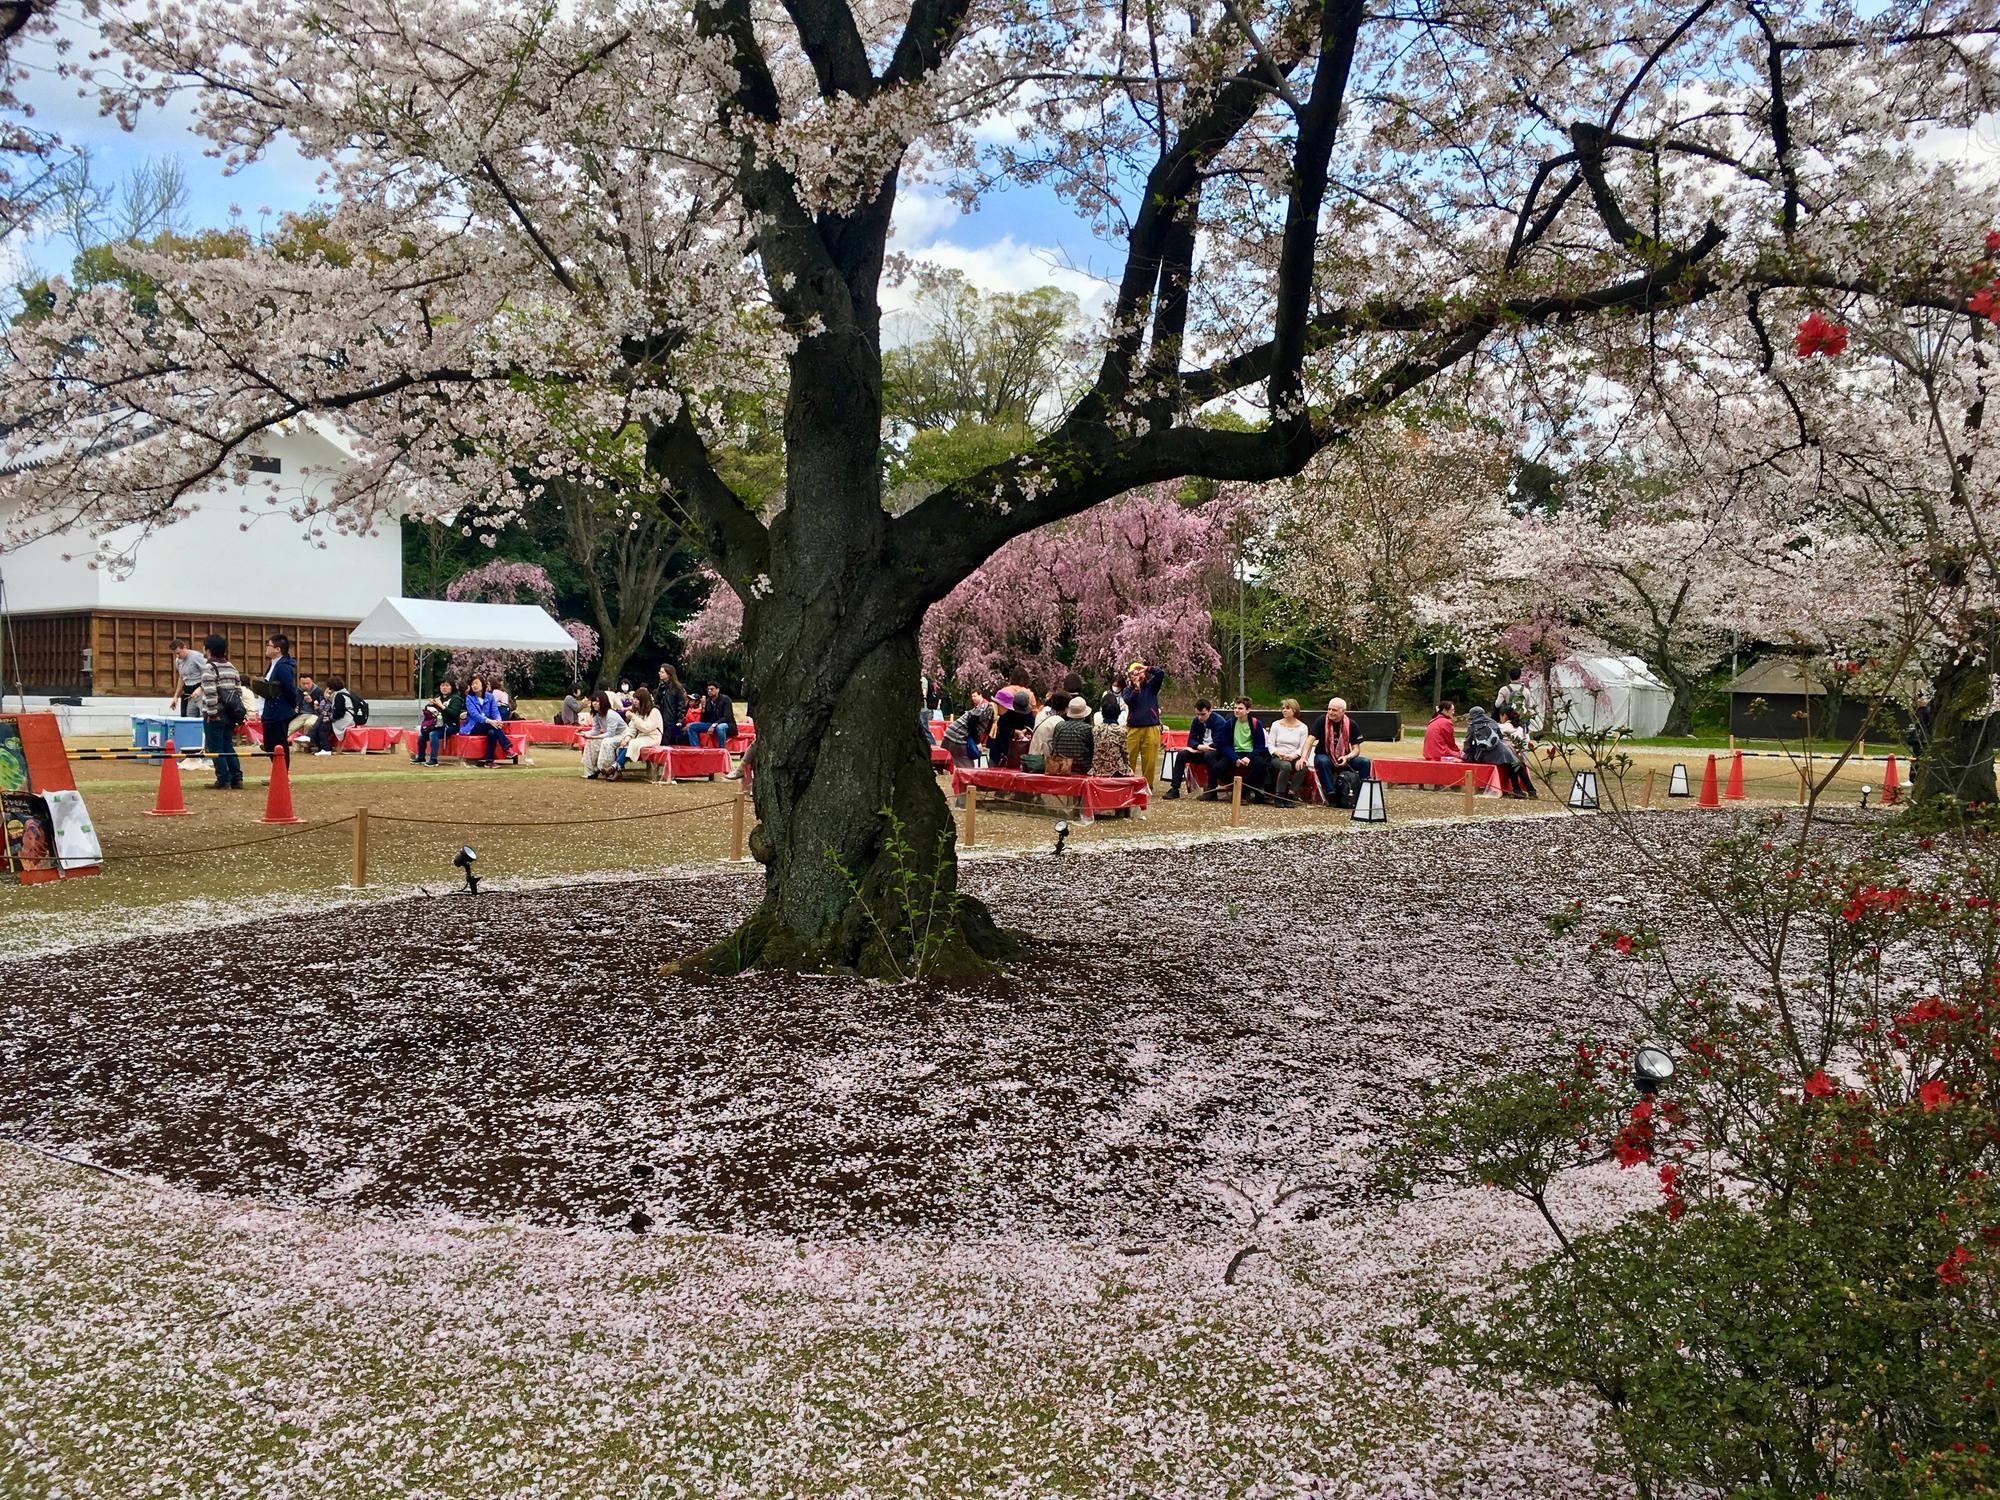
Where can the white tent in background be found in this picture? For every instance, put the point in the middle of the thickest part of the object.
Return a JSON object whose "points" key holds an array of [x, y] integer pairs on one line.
{"points": [[449, 625], [1599, 693]]}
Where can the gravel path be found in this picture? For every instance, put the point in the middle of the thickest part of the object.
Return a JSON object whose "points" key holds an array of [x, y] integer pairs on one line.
{"points": [[1185, 1017]]}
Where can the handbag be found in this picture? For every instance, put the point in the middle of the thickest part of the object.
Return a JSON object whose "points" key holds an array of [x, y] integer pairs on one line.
{"points": [[1061, 765], [1034, 765]]}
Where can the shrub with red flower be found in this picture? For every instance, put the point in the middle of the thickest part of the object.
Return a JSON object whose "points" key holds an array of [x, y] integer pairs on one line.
{"points": [[1817, 335], [1816, 1294]]}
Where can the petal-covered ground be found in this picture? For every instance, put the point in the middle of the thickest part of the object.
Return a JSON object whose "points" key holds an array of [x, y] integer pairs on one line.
{"points": [[1185, 1018], [981, 1241]]}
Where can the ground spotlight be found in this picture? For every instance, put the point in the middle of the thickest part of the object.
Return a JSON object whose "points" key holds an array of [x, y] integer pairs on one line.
{"points": [[1062, 834], [1864, 797], [1651, 1069], [463, 860]]}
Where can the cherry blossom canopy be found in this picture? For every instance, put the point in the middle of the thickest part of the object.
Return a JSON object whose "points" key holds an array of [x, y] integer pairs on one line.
{"points": [[461, 626]]}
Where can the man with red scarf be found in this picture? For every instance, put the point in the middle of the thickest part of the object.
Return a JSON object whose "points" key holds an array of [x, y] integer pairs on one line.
{"points": [[1338, 742]]}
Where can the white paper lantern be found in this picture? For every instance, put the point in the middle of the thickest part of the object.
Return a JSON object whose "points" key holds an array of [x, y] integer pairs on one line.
{"points": [[1370, 806], [1583, 791], [1677, 784]]}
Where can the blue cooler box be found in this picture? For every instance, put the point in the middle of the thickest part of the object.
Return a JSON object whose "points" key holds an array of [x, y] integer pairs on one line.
{"points": [[151, 732]]}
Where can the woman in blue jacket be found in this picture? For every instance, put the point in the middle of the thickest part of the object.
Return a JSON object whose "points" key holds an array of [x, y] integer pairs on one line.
{"points": [[482, 717], [1236, 748]]}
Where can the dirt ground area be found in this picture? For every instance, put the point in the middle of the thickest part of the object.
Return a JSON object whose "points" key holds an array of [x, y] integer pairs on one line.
{"points": [[1182, 1015]]}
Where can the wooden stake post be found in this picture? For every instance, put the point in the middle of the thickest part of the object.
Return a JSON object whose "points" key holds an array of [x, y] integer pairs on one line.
{"points": [[1804, 785], [971, 816], [736, 822], [1471, 788], [1646, 800], [1235, 801], [360, 847]]}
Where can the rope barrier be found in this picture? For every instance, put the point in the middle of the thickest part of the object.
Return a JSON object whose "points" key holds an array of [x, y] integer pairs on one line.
{"points": [[665, 812], [269, 838]]}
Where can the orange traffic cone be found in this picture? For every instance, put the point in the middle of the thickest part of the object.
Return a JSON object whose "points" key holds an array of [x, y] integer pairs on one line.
{"points": [[1734, 791], [1890, 784], [1708, 797], [278, 801], [168, 803]]}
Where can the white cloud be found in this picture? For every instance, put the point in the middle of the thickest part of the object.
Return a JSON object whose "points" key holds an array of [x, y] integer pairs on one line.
{"points": [[919, 219], [1004, 265]]}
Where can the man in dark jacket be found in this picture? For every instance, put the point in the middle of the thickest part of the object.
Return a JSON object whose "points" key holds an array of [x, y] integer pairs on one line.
{"points": [[279, 688], [1236, 748], [1197, 740], [1339, 741], [718, 719]]}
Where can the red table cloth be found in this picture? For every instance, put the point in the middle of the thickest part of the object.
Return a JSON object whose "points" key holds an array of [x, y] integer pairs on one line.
{"points": [[1098, 794], [1438, 773], [940, 757], [686, 760], [369, 738], [473, 746], [539, 732]]}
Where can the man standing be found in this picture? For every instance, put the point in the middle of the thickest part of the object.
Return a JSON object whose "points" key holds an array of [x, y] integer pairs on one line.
{"points": [[222, 709], [1142, 719], [1338, 742], [279, 688], [1236, 747], [189, 668], [1196, 740]]}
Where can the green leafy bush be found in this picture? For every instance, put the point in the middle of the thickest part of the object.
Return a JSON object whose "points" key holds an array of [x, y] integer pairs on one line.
{"points": [[1813, 1307]]}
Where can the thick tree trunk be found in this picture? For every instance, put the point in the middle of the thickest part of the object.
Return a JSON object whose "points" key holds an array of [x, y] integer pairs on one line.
{"points": [[1680, 717], [1958, 762], [856, 837]]}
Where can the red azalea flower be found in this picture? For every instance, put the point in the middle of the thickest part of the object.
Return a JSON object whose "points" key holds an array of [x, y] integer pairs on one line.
{"points": [[1981, 304], [1992, 240], [1623, 942], [1935, 1095], [1951, 1270], [1819, 1085], [1818, 336], [1675, 1208]]}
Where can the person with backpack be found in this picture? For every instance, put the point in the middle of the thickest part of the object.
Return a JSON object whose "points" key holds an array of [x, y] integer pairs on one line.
{"points": [[1335, 761], [1485, 746], [1510, 694], [344, 711], [222, 710]]}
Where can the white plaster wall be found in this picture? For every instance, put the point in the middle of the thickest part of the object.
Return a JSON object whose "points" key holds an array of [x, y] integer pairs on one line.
{"points": [[209, 563]]}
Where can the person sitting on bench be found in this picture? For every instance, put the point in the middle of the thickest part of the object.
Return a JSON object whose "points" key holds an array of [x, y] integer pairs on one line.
{"points": [[1107, 752], [1291, 753], [1072, 745], [1197, 738], [717, 725], [482, 720], [1440, 741], [642, 732], [1341, 771], [1237, 748]]}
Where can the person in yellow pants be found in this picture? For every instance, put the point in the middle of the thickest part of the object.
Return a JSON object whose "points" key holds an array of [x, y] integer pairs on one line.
{"points": [[1142, 719]]}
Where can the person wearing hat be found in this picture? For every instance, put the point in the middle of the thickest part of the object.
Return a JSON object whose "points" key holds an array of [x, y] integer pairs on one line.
{"points": [[1017, 714], [1142, 719], [1073, 744]]}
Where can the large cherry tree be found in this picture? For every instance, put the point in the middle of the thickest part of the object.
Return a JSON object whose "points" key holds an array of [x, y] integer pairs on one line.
{"points": [[1310, 206]]}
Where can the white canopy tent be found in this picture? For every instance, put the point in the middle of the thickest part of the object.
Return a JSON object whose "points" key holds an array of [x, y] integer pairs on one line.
{"points": [[444, 623], [1585, 693]]}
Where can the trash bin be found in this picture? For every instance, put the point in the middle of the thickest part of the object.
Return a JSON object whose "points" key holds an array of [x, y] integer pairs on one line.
{"points": [[152, 731]]}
